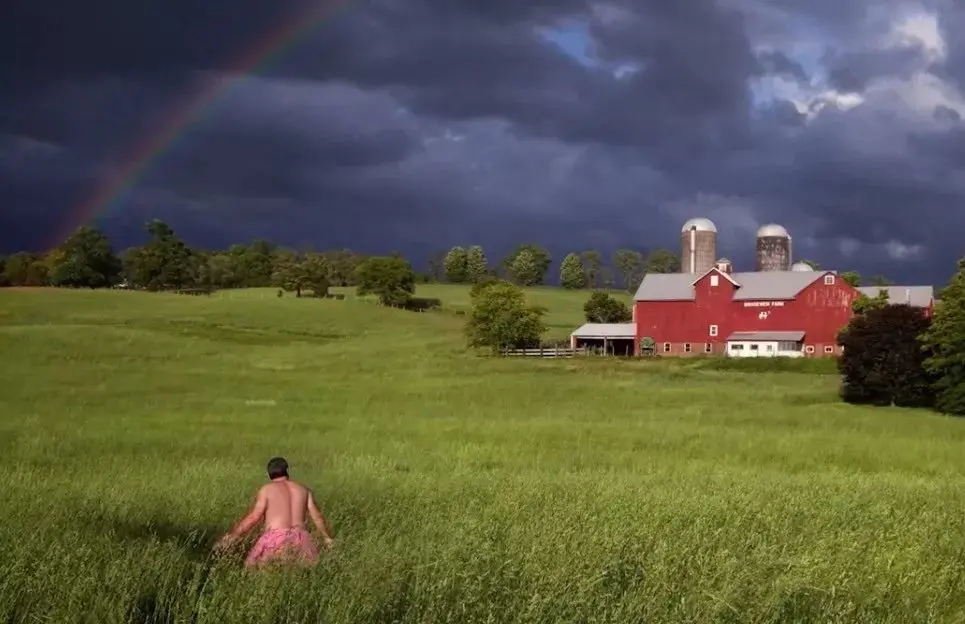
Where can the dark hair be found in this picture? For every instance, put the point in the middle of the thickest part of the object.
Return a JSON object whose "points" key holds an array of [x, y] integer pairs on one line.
{"points": [[277, 468]]}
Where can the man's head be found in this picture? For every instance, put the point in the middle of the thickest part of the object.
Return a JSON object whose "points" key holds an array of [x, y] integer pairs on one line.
{"points": [[277, 468]]}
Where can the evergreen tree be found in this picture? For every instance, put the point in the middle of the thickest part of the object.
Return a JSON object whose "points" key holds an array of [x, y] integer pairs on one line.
{"points": [[572, 275], [946, 340], [477, 267], [456, 266]]}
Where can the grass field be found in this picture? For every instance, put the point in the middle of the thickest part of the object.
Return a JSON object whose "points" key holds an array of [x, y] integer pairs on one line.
{"points": [[461, 489], [564, 308]]}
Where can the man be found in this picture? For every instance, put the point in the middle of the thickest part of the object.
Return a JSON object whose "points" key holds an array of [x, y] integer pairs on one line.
{"points": [[283, 504]]}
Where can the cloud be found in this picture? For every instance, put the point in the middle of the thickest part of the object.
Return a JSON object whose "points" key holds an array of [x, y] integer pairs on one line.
{"points": [[420, 125]]}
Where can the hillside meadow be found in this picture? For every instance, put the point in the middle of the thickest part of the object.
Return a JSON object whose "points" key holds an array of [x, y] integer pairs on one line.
{"points": [[460, 488]]}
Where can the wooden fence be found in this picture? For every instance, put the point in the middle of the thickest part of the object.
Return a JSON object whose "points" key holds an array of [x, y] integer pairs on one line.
{"points": [[545, 352]]}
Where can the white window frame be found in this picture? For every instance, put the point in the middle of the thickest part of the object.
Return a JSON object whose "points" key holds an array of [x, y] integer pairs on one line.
{"points": [[667, 347], [708, 347], [713, 330], [829, 280], [714, 281], [687, 348], [809, 349], [827, 348]]}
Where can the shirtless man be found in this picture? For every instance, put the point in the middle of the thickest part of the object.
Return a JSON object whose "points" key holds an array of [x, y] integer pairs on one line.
{"points": [[283, 504]]}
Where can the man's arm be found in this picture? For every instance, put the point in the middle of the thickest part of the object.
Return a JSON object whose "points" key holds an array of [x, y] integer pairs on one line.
{"points": [[318, 519], [246, 524]]}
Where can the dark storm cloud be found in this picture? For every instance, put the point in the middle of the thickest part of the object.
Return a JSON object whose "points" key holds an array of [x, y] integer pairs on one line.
{"points": [[423, 124]]}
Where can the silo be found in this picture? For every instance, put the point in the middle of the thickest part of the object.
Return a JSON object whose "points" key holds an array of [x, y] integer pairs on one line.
{"points": [[773, 248], [801, 267], [698, 245]]}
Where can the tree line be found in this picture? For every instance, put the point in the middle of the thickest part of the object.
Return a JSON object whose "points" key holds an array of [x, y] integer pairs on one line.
{"points": [[87, 259]]}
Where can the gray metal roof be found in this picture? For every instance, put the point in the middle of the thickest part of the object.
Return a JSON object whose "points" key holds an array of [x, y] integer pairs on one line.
{"points": [[779, 285], [793, 336], [917, 296], [606, 330]]}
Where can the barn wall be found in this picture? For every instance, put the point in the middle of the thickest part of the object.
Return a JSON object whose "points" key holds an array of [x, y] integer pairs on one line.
{"points": [[819, 310]]}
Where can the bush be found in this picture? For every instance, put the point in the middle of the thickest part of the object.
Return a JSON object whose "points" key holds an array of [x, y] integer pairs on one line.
{"points": [[883, 360], [421, 304]]}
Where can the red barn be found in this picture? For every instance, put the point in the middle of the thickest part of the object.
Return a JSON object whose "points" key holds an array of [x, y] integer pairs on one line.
{"points": [[769, 313]]}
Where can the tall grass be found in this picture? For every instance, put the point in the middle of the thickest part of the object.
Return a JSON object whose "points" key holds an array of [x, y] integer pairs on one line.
{"points": [[461, 489]]}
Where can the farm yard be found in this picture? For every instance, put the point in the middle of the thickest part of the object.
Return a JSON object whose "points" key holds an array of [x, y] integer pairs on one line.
{"points": [[460, 488]]}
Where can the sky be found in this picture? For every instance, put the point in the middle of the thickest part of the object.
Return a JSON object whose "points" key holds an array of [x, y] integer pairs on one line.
{"points": [[415, 126]]}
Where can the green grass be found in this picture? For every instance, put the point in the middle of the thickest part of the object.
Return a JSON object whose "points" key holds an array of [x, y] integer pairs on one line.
{"points": [[564, 308], [135, 428]]}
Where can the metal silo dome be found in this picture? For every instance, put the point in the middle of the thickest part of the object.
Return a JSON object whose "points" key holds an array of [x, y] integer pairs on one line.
{"points": [[801, 267], [701, 223], [772, 229]]}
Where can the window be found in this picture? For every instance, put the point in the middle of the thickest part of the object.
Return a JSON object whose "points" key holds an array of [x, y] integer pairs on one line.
{"points": [[708, 348], [713, 330], [829, 349], [753, 347], [714, 280], [666, 347], [809, 349], [686, 347], [829, 280], [737, 347], [770, 347]]}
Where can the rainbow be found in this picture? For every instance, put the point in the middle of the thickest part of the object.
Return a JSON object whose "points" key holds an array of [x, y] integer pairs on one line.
{"points": [[111, 190]]}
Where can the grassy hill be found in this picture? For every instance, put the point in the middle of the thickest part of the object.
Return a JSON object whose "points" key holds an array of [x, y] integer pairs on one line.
{"points": [[461, 489], [564, 307]]}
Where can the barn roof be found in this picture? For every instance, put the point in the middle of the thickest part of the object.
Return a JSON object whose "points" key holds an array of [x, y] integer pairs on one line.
{"points": [[793, 336], [917, 296], [779, 285], [606, 330]]}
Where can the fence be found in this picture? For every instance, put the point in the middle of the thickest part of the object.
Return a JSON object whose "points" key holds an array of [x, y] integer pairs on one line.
{"points": [[545, 352]]}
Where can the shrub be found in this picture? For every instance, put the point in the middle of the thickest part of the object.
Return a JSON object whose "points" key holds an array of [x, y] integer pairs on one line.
{"points": [[421, 304], [883, 358]]}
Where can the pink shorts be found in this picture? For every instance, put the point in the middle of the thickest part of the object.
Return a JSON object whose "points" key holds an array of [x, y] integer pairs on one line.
{"points": [[294, 545]]}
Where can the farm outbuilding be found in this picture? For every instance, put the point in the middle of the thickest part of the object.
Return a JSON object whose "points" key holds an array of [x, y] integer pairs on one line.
{"points": [[611, 338]]}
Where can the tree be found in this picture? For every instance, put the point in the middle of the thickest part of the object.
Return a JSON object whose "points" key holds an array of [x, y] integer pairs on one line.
{"points": [[572, 275], [629, 264], [883, 359], [164, 262], [946, 341], [851, 277], [3, 275], [601, 307], [437, 266], [85, 260], [25, 269], [592, 267], [501, 319], [863, 302], [525, 269], [531, 269], [662, 261], [392, 279], [811, 263], [455, 264], [477, 267], [342, 264], [880, 280]]}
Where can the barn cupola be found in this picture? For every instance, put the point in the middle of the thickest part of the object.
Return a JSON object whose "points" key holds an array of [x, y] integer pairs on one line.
{"points": [[724, 266]]}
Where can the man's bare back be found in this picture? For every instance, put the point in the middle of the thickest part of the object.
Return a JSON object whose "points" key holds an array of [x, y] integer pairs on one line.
{"points": [[283, 506]]}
